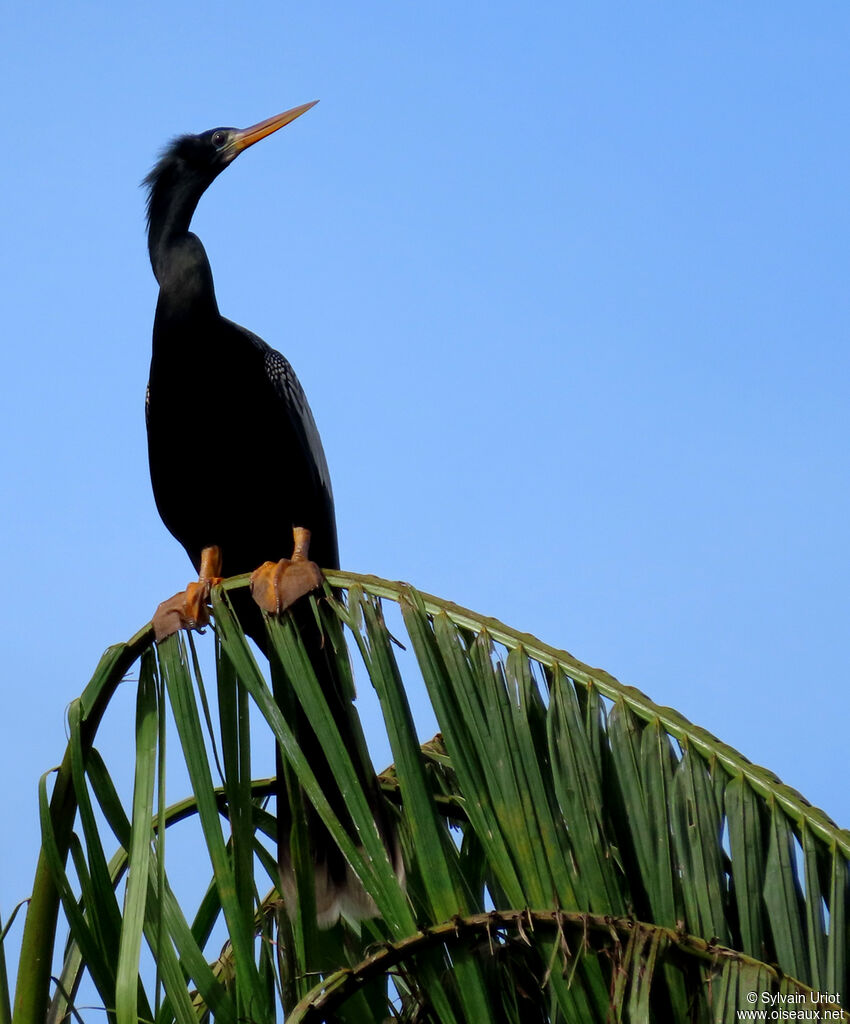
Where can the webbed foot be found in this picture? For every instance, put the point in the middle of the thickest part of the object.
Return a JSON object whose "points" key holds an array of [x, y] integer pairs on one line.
{"points": [[277, 585], [189, 609]]}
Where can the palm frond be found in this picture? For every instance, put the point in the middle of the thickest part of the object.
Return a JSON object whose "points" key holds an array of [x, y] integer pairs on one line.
{"points": [[572, 851]]}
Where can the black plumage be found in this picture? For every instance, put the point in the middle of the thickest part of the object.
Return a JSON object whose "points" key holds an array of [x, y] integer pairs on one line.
{"points": [[229, 427], [237, 464]]}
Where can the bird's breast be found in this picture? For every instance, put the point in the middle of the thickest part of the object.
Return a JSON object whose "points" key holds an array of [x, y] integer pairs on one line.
{"points": [[230, 459]]}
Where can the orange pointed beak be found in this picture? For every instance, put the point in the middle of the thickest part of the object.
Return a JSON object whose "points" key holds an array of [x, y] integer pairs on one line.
{"points": [[248, 136]]}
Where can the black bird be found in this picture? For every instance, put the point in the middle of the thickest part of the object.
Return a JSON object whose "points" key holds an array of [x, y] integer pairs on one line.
{"points": [[264, 474], [238, 471]]}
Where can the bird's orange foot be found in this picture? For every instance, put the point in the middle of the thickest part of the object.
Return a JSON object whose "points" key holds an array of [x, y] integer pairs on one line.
{"points": [[186, 610], [189, 609], [277, 585]]}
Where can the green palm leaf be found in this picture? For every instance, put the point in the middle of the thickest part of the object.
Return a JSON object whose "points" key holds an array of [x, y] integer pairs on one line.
{"points": [[572, 851]]}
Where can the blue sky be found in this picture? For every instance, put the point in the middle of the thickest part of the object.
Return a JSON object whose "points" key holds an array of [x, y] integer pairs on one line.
{"points": [[567, 287]]}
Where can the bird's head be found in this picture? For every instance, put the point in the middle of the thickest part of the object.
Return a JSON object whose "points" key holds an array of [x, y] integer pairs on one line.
{"points": [[192, 162], [220, 146]]}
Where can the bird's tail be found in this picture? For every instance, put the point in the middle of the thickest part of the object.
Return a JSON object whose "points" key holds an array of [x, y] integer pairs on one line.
{"points": [[338, 891]]}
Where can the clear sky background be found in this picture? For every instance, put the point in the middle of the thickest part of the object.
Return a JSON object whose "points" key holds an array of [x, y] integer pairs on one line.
{"points": [[567, 287]]}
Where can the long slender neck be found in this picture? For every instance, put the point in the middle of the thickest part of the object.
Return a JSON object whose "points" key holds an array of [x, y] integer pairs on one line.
{"points": [[178, 258]]}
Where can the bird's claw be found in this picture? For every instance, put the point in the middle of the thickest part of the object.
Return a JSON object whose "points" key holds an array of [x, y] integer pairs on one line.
{"points": [[277, 585], [189, 609], [185, 610]]}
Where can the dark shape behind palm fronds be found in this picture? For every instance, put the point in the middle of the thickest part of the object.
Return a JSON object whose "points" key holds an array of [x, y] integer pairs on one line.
{"points": [[573, 851]]}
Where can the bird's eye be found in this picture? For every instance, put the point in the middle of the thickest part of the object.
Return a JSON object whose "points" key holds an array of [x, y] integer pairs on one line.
{"points": [[219, 139]]}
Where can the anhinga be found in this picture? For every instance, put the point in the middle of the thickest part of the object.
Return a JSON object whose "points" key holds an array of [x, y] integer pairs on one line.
{"points": [[238, 471]]}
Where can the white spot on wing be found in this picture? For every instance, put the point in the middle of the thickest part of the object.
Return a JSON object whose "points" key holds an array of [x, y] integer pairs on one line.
{"points": [[280, 372]]}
